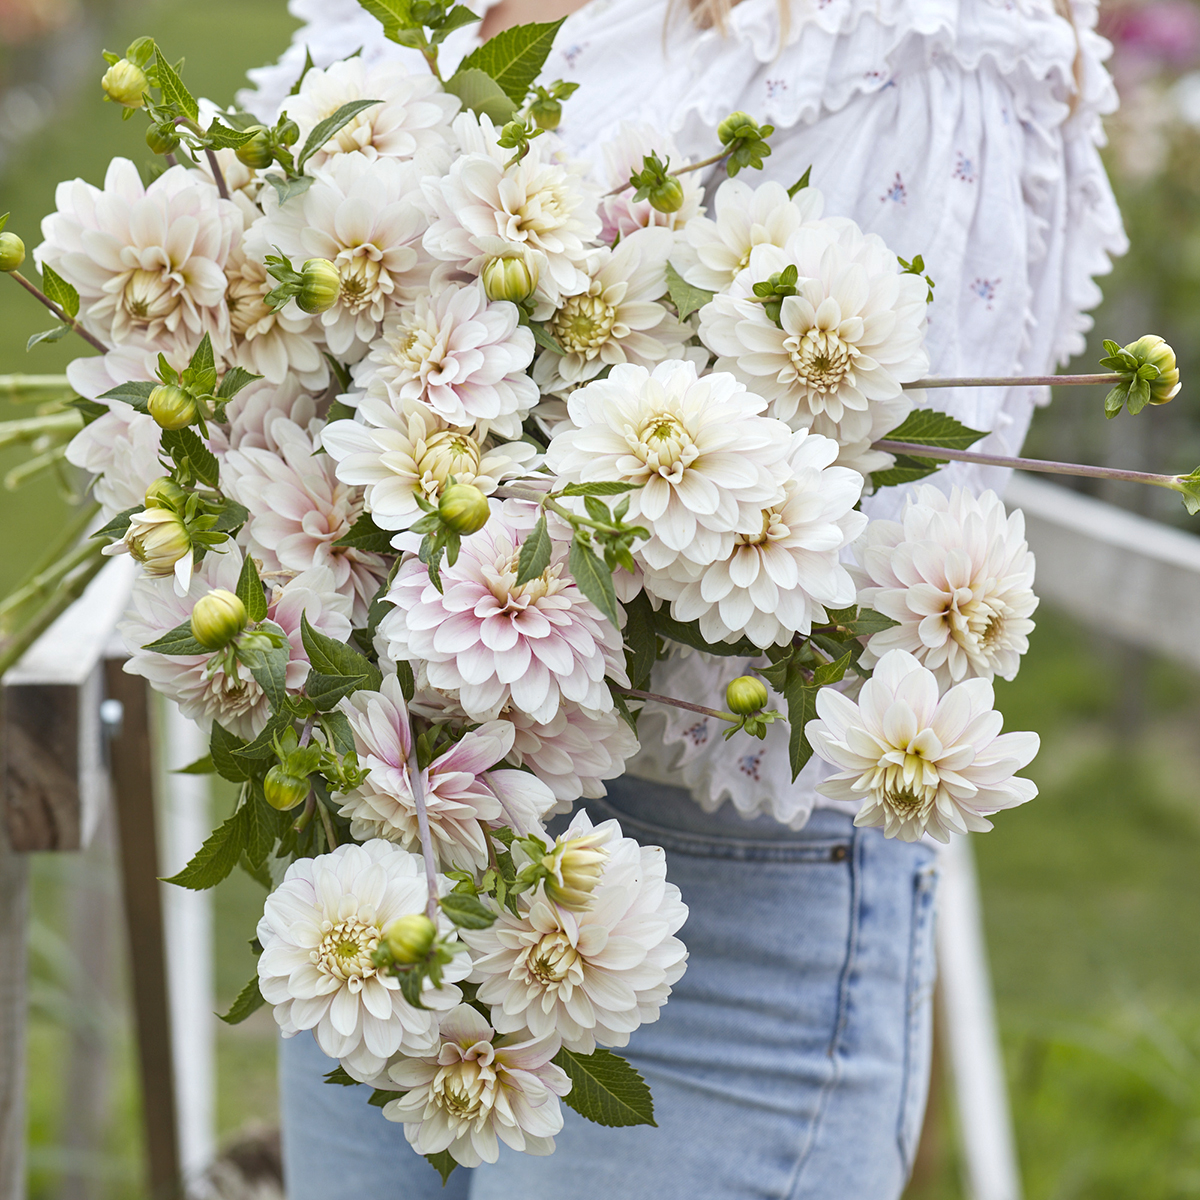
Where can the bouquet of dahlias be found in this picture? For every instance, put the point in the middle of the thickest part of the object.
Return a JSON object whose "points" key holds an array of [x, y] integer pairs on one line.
{"points": [[432, 443]]}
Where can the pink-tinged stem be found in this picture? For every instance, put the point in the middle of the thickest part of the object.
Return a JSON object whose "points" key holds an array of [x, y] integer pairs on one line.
{"points": [[1013, 381], [696, 708], [37, 293], [418, 788]]}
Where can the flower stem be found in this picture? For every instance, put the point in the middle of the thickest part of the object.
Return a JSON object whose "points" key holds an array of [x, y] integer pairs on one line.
{"points": [[696, 708], [696, 166], [1027, 464], [218, 175], [418, 790], [26, 429], [306, 732], [37, 293], [33, 387], [47, 580], [330, 836], [1014, 381], [301, 822]]}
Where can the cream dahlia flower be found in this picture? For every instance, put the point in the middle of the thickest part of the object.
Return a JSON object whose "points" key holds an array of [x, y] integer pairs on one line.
{"points": [[398, 456], [852, 334], [479, 1090], [482, 208], [779, 579], [252, 412], [415, 113], [617, 318], [590, 976], [121, 450], [491, 643], [621, 213], [707, 462], [148, 262], [298, 511], [458, 354], [462, 788], [362, 216], [240, 705], [318, 929], [920, 764], [957, 574]]}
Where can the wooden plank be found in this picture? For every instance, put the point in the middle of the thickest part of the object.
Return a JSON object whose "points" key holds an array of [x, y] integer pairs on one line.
{"points": [[133, 781], [14, 920]]}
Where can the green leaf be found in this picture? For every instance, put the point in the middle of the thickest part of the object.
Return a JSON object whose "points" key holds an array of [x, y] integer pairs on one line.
{"points": [[906, 469], [544, 339], [606, 1089], [688, 634], [258, 872], [342, 374], [442, 1162], [326, 690], [202, 766], [1189, 488], [134, 392], [802, 708], [331, 657], [47, 335], [480, 93], [926, 427], [60, 291], [185, 445], [535, 553], [119, 525], [201, 373], [304, 70], [1115, 400], [269, 667], [173, 91], [686, 297], [217, 857], [285, 189], [235, 379], [263, 746], [593, 578], [250, 591], [325, 129], [261, 824], [221, 137], [340, 1077], [602, 487], [467, 912], [365, 535], [231, 516], [832, 672], [223, 747], [178, 641], [859, 621], [249, 1000], [641, 640], [800, 183], [341, 737], [514, 58]]}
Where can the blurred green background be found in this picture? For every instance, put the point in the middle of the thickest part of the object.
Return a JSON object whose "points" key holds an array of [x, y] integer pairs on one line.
{"points": [[1091, 893]]}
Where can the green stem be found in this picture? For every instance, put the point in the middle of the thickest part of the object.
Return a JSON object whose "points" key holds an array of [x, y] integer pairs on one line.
{"points": [[330, 837], [696, 708], [1015, 381], [48, 579], [42, 298], [18, 387], [696, 166], [27, 428]]}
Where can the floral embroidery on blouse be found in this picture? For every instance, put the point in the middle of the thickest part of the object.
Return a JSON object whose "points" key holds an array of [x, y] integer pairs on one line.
{"points": [[985, 289], [897, 193], [697, 734], [964, 168], [748, 764]]}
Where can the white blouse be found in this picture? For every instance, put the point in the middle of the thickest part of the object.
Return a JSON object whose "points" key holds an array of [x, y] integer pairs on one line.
{"points": [[966, 131]]}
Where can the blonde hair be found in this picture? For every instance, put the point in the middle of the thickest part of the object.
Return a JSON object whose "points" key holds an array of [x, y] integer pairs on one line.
{"points": [[715, 13]]}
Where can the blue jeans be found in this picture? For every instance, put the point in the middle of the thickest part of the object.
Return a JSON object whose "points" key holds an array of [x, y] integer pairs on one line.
{"points": [[791, 1060]]}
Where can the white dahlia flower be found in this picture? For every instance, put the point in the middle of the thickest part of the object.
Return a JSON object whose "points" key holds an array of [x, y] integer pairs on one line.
{"points": [[590, 976], [783, 576], [318, 929], [252, 412], [479, 1090], [461, 356], [463, 790], [616, 319], [121, 450], [481, 208], [621, 213], [491, 643], [398, 456], [415, 113], [957, 574], [919, 764], [298, 511], [717, 249], [362, 216], [850, 336], [240, 706], [707, 462], [148, 262]]}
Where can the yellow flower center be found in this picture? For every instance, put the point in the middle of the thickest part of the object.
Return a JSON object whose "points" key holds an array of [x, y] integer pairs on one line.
{"points": [[773, 530], [345, 949], [552, 960], [148, 296], [583, 325], [445, 454], [664, 444], [822, 360]]}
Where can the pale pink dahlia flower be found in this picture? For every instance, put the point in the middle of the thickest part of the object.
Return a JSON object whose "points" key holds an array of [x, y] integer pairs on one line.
{"points": [[621, 213]]}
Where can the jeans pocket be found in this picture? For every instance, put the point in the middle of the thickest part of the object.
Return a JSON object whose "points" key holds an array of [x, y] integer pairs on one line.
{"points": [[918, 1032]]}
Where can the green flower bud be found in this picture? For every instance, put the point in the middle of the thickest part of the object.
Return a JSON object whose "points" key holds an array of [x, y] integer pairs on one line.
{"points": [[1153, 350], [547, 113], [217, 619], [125, 84], [164, 492], [162, 139], [512, 279], [284, 791], [746, 695], [410, 939], [171, 407], [12, 252], [158, 539], [667, 196], [464, 508], [321, 286], [287, 132], [575, 868], [735, 126], [257, 152]]}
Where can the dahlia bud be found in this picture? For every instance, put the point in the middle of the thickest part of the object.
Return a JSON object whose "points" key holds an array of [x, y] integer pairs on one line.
{"points": [[126, 84], [171, 407], [217, 619], [547, 112], [158, 539], [287, 132], [257, 152], [667, 196], [464, 508], [284, 790], [575, 868], [161, 139], [512, 279], [164, 492], [746, 695], [1153, 350], [12, 252], [320, 287], [410, 938], [733, 126]]}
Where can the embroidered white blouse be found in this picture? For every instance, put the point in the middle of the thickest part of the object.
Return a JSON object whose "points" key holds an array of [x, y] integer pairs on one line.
{"points": [[962, 130]]}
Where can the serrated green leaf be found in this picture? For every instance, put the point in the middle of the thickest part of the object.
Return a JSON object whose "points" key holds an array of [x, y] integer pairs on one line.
{"points": [[514, 57], [261, 824], [324, 130], [544, 339], [688, 634], [926, 427], [221, 137], [606, 1089], [641, 640], [263, 745], [178, 641], [249, 1000], [47, 335], [331, 657], [365, 535], [183, 444], [60, 291], [135, 393], [326, 690], [593, 578], [231, 516], [250, 591], [534, 557], [217, 857], [467, 912], [223, 747], [340, 1077], [482, 95], [832, 672], [286, 189], [602, 487], [443, 1163], [173, 90], [235, 379], [119, 525], [341, 736], [89, 409], [686, 297], [202, 766], [802, 708], [908, 468], [269, 668]]}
